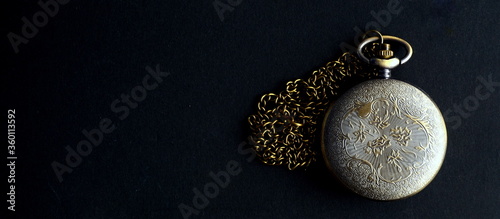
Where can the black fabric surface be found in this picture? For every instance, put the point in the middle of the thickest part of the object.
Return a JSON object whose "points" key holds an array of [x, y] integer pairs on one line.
{"points": [[160, 151]]}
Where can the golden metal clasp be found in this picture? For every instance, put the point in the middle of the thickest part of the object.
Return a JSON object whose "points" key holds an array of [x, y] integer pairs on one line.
{"points": [[384, 60]]}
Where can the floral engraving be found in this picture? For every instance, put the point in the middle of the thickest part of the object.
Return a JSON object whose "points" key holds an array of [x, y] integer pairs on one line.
{"points": [[361, 133], [405, 160], [394, 159], [380, 122], [381, 126], [378, 145], [401, 135]]}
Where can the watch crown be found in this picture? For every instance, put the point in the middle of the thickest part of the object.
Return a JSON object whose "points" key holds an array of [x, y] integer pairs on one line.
{"points": [[385, 51]]}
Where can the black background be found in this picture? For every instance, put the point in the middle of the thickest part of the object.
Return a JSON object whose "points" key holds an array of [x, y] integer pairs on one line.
{"points": [[66, 77]]}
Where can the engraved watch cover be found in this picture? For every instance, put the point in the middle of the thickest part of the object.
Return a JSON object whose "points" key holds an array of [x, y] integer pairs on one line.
{"points": [[384, 139]]}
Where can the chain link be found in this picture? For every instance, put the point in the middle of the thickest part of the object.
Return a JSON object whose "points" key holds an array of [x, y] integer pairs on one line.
{"points": [[286, 126]]}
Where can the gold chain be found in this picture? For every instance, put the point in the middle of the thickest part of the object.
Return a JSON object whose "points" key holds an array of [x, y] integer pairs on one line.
{"points": [[286, 126]]}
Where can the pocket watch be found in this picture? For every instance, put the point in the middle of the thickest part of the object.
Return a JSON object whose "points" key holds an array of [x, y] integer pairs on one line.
{"points": [[384, 138]]}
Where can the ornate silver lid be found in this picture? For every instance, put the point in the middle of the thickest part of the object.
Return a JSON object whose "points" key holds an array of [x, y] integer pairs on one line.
{"points": [[384, 139]]}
